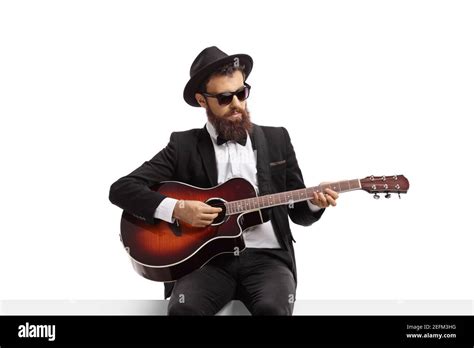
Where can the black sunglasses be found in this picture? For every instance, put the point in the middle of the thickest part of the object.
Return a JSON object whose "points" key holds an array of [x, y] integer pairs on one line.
{"points": [[226, 98]]}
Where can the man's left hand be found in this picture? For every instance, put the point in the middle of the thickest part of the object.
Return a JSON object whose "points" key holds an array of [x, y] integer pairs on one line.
{"points": [[324, 200]]}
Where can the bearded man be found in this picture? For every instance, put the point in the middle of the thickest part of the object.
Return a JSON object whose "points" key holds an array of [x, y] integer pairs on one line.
{"points": [[263, 275]]}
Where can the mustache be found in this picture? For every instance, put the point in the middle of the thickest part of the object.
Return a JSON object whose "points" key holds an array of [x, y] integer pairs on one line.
{"points": [[239, 110]]}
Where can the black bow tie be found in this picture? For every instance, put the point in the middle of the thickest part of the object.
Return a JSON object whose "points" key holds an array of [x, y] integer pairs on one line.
{"points": [[221, 140]]}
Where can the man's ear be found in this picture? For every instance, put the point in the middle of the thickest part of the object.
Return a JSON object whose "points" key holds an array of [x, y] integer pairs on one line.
{"points": [[200, 99]]}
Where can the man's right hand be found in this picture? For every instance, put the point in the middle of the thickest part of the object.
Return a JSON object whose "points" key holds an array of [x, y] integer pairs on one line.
{"points": [[195, 213]]}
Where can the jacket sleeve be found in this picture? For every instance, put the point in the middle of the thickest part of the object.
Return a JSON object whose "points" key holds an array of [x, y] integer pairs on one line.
{"points": [[300, 213], [133, 192]]}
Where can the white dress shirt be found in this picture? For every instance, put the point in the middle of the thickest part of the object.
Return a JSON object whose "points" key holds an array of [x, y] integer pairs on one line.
{"points": [[234, 160]]}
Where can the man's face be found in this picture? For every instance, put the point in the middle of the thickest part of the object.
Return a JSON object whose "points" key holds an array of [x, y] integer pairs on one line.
{"points": [[231, 121]]}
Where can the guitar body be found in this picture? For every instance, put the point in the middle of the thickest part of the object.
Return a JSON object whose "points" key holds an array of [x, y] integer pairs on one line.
{"points": [[166, 252]]}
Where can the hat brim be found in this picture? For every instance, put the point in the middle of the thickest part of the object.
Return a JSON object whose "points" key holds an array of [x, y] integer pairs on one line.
{"points": [[193, 84]]}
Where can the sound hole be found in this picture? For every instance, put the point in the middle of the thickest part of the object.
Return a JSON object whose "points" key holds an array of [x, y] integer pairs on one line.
{"points": [[218, 203]]}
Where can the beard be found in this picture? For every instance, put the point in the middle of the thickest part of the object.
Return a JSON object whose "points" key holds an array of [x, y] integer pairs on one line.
{"points": [[231, 130]]}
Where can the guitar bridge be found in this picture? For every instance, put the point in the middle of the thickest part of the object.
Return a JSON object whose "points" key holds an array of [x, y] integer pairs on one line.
{"points": [[175, 228]]}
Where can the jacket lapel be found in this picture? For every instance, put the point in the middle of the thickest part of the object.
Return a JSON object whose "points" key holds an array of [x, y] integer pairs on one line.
{"points": [[206, 150], [260, 146]]}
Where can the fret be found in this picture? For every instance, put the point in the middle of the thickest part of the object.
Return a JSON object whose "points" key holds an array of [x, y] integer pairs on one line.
{"points": [[281, 198], [344, 186]]}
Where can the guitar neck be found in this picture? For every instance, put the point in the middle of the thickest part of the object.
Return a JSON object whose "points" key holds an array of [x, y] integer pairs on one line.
{"points": [[288, 197]]}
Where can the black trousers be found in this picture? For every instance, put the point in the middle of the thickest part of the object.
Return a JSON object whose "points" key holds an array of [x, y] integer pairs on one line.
{"points": [[260, 278]]}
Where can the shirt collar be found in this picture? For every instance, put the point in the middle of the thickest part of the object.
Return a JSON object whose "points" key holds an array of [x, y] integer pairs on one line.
{"points": [[212, 131]]}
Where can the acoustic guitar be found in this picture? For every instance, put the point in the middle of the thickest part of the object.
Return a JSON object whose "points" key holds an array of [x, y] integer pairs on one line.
{"points": [[165, 252]]}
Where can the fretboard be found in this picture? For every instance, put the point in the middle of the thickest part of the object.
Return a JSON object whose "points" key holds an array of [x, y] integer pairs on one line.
{"points": [[288, 197]]}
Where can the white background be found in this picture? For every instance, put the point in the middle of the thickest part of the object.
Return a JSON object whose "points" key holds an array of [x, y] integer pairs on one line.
{"points": [[89, 90]]}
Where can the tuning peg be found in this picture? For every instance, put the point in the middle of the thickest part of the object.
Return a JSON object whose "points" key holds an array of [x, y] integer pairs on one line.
{"points": [[376, 196], [388, 195]]}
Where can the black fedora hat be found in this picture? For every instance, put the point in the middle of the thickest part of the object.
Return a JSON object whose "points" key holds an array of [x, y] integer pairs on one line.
{"points": [[206, 63]]}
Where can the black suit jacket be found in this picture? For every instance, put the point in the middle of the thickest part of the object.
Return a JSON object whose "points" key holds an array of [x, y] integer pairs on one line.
{"points": [[189, 157]]}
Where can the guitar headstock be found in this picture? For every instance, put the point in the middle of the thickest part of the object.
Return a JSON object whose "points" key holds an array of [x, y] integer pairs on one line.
{"points": [[385, 184]]}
